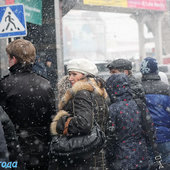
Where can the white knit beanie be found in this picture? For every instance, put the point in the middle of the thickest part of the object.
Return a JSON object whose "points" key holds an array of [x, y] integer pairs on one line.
{"points": [[82, 66]]}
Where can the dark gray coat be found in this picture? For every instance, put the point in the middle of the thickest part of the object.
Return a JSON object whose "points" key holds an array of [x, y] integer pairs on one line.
{"points": [[126, 144]]}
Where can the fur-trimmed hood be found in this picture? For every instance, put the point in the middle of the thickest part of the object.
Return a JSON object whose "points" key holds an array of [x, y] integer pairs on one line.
{"points": [[89, 85]]}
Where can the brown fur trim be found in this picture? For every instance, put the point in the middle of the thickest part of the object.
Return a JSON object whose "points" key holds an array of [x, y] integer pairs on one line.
{"points": [[90, 85], [101, 91], [63, 85], [80, 85], [53, 125], [105, 94], [67, 96]]}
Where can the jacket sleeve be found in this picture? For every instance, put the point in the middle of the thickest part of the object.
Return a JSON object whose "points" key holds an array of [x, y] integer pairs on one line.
{"points": [[3, 148], [10, 136], [147, 122], [2, 94], [111, 136], [80, 122], [51, 104]]}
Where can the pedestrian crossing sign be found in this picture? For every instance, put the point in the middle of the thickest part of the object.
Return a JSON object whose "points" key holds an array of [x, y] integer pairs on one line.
{"points": [[12, 21]]}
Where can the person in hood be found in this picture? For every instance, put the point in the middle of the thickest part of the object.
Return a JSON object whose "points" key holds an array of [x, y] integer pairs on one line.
{"points": [[126, 146], [124, 66], [75, 116], [157, 95], [29, 101]]}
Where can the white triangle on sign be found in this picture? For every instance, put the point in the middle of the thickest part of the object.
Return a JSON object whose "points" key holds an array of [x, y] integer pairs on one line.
{"points": [[10, 23]]}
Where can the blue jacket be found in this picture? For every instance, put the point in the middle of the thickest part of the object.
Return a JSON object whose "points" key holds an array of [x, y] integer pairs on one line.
{"points": [[158, 103]]}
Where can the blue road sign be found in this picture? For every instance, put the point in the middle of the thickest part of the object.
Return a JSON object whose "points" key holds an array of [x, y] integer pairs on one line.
{"points": [[12, 21]]}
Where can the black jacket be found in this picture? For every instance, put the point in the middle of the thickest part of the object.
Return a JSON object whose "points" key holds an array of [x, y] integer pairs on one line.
{"points": [[29, 101], [14, 150], [3, 146], [79, 103], [126, 144]]}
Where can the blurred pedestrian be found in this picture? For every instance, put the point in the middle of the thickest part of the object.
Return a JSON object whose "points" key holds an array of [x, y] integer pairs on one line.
{"points": [[86, 98], [39, 67], [29, 101], [126, 146], [62, 86], [157, 95], [51, 73]]}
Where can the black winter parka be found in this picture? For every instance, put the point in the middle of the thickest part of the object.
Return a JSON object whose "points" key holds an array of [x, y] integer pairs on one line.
{"points": [[29, 101]]}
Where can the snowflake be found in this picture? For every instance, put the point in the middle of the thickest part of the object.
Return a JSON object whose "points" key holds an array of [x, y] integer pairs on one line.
{"points": [[144, 68]]}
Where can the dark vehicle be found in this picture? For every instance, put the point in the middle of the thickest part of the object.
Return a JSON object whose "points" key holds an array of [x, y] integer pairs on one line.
{"points": [[104, 72]]}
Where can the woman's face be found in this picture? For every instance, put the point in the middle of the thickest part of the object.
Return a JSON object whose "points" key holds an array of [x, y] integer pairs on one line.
{"points": [[75, 76]]}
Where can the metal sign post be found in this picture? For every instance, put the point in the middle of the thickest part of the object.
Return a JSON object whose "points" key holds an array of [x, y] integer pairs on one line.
{"points": [[59, 45]]}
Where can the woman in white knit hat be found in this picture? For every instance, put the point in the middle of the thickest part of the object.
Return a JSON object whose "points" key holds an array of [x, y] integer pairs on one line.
{"points": [[83, 101]]}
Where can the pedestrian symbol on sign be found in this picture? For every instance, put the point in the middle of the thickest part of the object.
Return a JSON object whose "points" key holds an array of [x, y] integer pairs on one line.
{"points": [[9, 19], [10, 22]]}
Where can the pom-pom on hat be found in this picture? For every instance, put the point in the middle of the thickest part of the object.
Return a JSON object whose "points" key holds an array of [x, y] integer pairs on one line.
{"points": [[82, 66], [120, 64], [149, 65]]}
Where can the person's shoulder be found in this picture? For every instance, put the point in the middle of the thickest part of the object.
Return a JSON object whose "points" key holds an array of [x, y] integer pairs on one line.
{"points": [[40, 78], [82, 93], [4, 80], [4, 77], [135, 78]]}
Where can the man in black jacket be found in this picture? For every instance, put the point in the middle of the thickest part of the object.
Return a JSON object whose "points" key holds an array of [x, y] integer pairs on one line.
{"points": [[29, 101]]}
